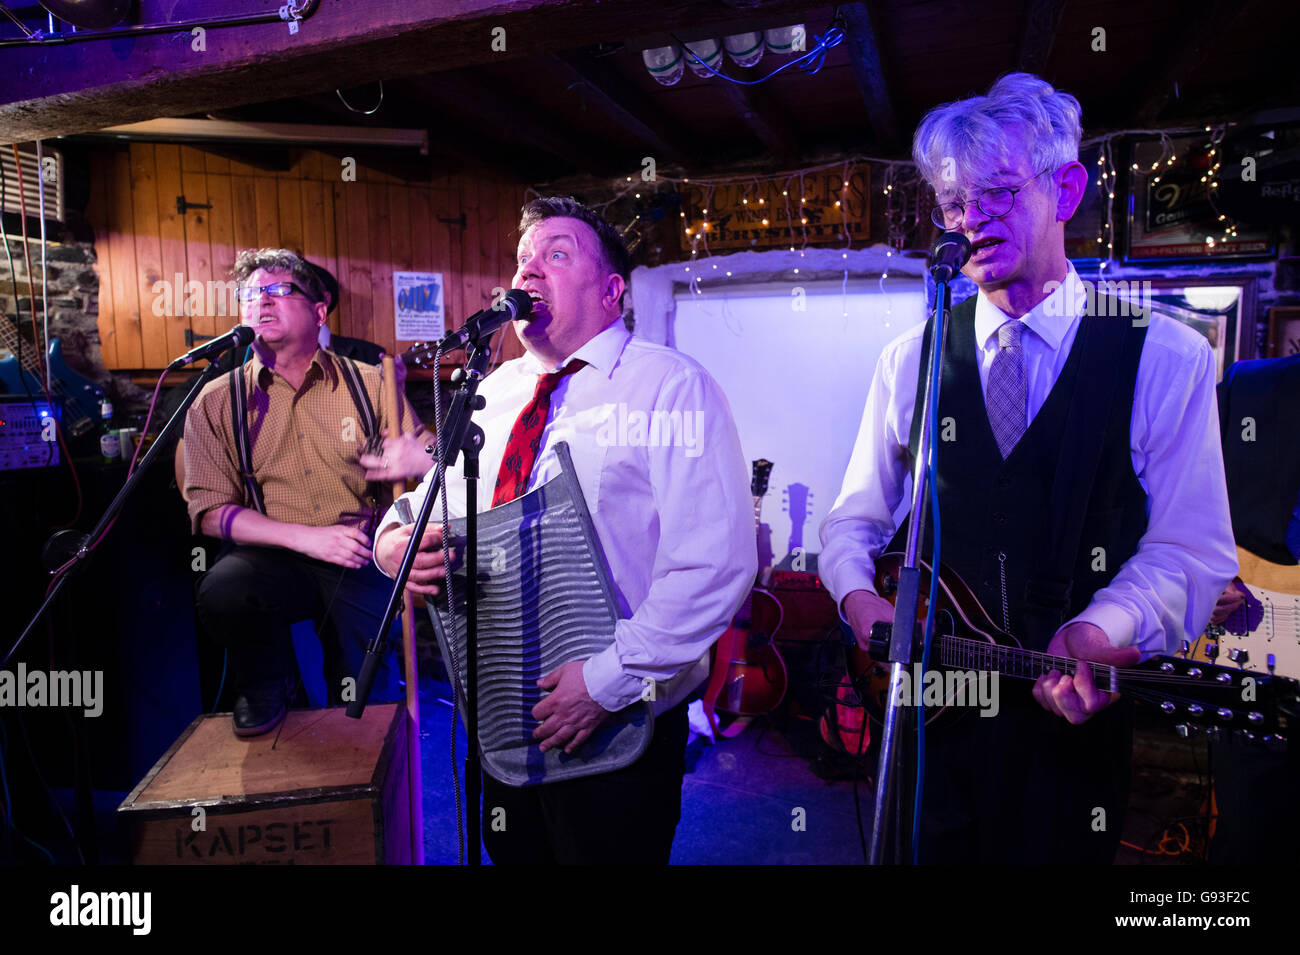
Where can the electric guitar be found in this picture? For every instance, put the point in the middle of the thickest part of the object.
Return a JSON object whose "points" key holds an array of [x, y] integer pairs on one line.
{"points": [[748, 677], [1263, 634], [1204, 699], [79, 396]]}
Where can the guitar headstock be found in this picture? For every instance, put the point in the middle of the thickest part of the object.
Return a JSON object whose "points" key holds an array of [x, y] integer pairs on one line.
{"points": [[1221, 703], [420, 355], [762, 471]]}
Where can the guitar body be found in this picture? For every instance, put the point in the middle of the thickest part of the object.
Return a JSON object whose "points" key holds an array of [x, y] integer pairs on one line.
{"points": [[1268, 624], [747, 676], [78, 395], [957, 611], [16, 380], [753, 675]]}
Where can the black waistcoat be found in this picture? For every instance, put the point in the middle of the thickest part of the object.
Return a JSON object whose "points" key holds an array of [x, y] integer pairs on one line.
{"points": [[1003, 521]]}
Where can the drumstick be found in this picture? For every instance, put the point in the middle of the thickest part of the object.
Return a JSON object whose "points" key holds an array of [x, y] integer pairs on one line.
{"points": [[391, 412]]}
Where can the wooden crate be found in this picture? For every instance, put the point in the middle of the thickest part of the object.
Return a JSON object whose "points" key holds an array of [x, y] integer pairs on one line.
{"points": [[329, 791]]}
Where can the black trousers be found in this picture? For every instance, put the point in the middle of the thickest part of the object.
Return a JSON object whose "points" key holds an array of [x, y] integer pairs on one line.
{"points": [[1026, 787], [251, 596], [626, 817]]}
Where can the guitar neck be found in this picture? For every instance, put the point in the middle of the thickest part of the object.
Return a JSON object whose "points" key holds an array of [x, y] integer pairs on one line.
{"points": [[963, 653]]}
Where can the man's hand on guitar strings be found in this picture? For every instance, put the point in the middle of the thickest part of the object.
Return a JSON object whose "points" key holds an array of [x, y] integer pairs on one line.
{"points": [[1231, 598], [1075, 697], [568, 715], [863, 608]]}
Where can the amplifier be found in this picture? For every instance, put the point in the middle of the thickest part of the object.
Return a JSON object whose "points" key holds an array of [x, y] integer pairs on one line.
{"points": [[809, 608], [27, 433]]}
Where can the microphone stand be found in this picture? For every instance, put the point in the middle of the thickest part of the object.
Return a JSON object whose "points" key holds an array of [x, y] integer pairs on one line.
{"points": [[904, 644], [79, 545], [460, 434]]}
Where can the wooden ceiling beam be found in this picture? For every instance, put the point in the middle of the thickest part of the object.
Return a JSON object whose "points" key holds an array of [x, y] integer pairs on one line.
{"points": [[512, 121], [1186, 55], [763, 118], [624, 105], [52, 90], [1042, 20], [869, 71]]}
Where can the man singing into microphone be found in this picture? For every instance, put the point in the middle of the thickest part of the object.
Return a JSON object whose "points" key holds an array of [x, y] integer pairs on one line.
{"points": [[284, 488], [1041, 382], [673, 518]]}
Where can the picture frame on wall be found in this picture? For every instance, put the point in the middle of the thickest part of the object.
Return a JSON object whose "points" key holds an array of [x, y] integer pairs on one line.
{"points": [[1171, 211], [1220, 308], [1283, 335]]}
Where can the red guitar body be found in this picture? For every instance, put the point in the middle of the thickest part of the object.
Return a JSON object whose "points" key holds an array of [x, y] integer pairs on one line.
{"points": [[748, 677], [749, 673]]}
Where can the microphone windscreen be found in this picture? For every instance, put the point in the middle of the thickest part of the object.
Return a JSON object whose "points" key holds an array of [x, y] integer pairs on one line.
{"points": [[520, 303]]}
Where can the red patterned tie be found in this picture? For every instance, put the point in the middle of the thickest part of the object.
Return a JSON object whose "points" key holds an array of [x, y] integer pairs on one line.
{"points": [[526, 437]]}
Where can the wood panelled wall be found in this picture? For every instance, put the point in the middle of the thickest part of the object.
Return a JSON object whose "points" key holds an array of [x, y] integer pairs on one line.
{"points": [[360, 230]]}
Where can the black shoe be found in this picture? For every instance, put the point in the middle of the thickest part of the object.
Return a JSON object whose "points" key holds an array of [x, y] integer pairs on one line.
{"points": [[260, 708]]}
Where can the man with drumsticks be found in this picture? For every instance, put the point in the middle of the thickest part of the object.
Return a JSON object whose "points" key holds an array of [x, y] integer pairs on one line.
{"points": [[674, 521]]}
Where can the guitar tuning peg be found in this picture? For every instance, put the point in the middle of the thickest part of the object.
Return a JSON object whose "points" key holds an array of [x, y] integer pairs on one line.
{"points": [[1254, 716], [1195, 709], [1168, 707], [1224, 714], [1194, 672], [1245, 736], [1185, 730]]}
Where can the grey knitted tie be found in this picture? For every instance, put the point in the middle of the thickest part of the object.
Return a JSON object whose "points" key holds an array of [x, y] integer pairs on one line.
{"points": [[1006, 397]]}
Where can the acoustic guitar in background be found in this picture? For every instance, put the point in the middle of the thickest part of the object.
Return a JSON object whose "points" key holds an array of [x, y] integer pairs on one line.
{"points": [[748, 677]]}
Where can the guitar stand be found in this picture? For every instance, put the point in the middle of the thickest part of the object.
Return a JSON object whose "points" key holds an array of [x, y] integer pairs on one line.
{"points": [[461, 434]]}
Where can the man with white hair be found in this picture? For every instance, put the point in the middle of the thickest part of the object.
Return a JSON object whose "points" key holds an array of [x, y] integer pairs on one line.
{"points": [[1040, 385]]}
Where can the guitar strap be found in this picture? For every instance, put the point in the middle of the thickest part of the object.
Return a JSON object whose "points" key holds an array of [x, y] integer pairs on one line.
{"points": [[243, 442]]}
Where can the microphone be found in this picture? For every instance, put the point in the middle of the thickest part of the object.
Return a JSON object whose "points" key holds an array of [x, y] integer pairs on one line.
{"points": [[241, 336], [948, 254], [517, 304]]}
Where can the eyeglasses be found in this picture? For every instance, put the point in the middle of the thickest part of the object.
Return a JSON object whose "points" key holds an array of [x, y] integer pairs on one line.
{"points": [[251, 293], [994, 203]]}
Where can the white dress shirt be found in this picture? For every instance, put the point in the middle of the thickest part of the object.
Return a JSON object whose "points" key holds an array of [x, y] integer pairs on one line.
{"points": [[659, 460], [1167, 589]]}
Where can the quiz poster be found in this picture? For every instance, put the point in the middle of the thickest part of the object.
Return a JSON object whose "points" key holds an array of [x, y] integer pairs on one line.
{"points": [[417, 306]]}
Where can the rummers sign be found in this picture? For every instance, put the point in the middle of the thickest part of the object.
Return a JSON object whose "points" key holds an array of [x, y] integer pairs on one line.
{"points": [[816, 209]]}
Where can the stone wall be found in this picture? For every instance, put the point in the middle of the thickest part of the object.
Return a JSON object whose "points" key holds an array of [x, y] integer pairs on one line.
{"points": [[72, 294]]}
